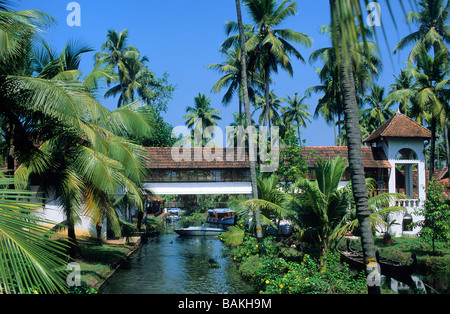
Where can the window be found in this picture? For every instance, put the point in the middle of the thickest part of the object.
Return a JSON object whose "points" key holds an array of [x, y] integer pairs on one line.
{"points": [[406, 224]]}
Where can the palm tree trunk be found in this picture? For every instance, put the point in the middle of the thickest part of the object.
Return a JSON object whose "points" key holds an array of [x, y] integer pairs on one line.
{"points": [[10, 153], [356, 165], [447, 144], [252, 154], [299, 136], [267, 96]]}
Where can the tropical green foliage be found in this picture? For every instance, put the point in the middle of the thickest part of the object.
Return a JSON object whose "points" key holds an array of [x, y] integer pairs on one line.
{"points": [[31, 260], [202, 118], [278, 272], [436, 216], [321, 205]]}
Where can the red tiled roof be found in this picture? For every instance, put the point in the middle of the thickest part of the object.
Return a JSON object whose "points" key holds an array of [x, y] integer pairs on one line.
{"points": [[213, 158], [399, 126], [161, 158], [373, 157]]}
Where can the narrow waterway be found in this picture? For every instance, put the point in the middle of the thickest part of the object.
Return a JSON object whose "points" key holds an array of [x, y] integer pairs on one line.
{"points": [[170, 264]]}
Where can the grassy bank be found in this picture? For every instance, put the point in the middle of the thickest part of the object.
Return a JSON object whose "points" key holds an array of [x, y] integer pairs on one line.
{"points": [[99, 262]]}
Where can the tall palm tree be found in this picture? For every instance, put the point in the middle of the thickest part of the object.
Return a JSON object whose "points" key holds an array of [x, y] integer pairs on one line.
{"points": [[117, 54], [432, 32], [84, 169], [269, 47], [201, 116], [378, 110], [366, 65], [429, 92], [345, 35], [272, 111], [403, 82], [76, 142], [297, 112], [248, 118], [232, 78], [138, 81]]}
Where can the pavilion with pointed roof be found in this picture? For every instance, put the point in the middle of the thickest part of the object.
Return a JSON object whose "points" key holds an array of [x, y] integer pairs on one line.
{"points": [[402, 140]]}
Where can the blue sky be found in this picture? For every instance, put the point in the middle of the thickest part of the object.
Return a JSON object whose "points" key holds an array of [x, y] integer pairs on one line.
{"points": [[181, 37]]}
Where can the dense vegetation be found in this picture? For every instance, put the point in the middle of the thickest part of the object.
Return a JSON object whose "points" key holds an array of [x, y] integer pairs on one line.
{"points": [[57, 135]]}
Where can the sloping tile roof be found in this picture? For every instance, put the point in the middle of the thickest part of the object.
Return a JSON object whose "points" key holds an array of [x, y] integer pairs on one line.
{"points": [[161, 158], [399, 126], [373, 157], [214, 158]]}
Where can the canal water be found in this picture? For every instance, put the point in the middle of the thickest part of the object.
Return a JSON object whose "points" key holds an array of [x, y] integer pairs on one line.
{"points": [[170, 264]]}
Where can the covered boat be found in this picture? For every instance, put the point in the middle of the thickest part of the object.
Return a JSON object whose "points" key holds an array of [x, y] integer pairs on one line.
{"points": [[173, 214], [222, 216], [199, 231], [396, 270]]}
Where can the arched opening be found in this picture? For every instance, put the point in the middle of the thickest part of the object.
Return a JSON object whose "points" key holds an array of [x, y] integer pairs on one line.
{"points": [[406, 168], [406, 154]]}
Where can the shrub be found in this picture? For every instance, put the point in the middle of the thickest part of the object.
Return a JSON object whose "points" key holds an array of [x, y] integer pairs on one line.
{"points": [[272, 274]]}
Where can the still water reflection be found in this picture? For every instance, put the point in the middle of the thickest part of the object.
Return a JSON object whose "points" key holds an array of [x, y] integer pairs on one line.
{"points": [[170, 264]]}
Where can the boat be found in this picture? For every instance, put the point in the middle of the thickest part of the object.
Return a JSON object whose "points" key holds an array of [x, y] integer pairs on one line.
{"points": [[173, 214], [172, 218], [199, 231], [221, 216], [399, 271], [284, 228]]}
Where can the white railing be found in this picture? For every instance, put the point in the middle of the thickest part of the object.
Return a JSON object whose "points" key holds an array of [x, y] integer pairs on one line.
{"points": [[408, 203]]}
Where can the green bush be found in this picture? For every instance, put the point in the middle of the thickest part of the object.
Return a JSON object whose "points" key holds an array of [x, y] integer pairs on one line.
{"points": [[272, 274]]}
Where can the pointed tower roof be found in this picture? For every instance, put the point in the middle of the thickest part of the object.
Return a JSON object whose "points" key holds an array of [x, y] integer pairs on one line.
{"points": [[399, 126]]}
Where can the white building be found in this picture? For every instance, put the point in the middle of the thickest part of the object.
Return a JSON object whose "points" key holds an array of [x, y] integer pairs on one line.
{"points": [[402, 140]]}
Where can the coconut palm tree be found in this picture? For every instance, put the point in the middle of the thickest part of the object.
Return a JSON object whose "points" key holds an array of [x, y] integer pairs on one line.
{"points": [[275, 108], [269, 47], [321, 205], [365, 63], [345, 14], [83, 170], [403, 82], [429, 92], [116, 53], [232, 78], [432, 32], [248, 118], [71, 138], [201, 116], [296, 112], [378, 110]]}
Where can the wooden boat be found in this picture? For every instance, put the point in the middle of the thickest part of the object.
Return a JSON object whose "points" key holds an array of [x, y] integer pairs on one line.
{"points": [[390, 268], [199, 231], [221, 216]]}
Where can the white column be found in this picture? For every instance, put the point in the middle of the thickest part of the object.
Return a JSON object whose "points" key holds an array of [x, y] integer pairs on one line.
{"points": [[409, 188], [421, 179], [392, 178]]}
